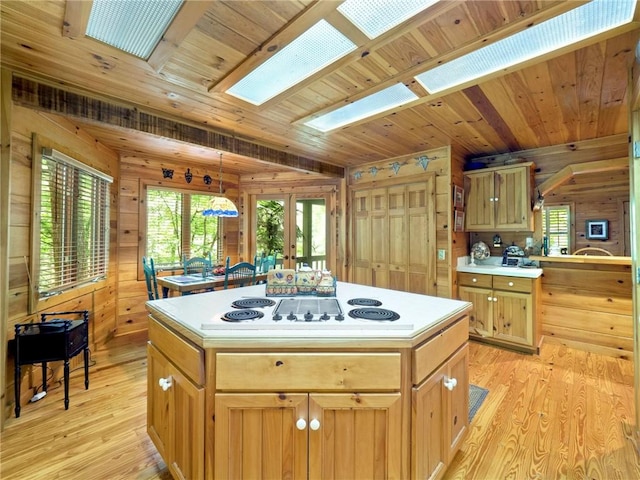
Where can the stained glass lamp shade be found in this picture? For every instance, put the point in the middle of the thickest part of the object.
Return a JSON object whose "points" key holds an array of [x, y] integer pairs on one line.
{"points": [[221, 206]]}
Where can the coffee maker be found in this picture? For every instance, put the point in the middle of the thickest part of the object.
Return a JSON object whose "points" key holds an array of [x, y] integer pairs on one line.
{"points": [[512, 256]]}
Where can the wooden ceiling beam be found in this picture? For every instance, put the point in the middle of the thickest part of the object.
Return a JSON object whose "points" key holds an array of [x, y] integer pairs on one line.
{"points": [[185, 21], [571, 171], [76, 18], [44, 97]]}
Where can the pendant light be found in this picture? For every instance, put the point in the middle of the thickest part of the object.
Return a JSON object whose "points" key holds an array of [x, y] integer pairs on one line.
{"points": [[221, 206]]}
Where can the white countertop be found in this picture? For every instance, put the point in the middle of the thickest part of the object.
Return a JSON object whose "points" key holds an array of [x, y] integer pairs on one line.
{"points": [[500, 270], [198, 316]]}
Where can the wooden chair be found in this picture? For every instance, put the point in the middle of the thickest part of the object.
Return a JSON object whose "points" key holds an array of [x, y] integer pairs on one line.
{"points": [[193, 265], [268, 262], [150, 277], [240, 274], [592, 251]]}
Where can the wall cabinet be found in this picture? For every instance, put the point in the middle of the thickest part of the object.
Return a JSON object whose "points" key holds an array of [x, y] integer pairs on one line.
{"points": [[504, 309], [499, 198], [394, 237], [175, 410], [441, 415]]}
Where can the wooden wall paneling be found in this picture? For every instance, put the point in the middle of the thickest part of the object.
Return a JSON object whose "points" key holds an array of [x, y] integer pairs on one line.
{"points": [[5, 202]]}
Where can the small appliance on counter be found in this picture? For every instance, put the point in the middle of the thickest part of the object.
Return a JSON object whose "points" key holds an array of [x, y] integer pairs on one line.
{"points": [[479, 251], [512, 256]]}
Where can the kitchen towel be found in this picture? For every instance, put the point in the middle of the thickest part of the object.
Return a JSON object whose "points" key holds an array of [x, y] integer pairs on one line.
{"points": [[476, 397]]}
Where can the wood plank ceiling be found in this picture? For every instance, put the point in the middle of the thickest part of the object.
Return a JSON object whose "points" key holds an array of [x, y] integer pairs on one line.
{"points": [[577, 93]]}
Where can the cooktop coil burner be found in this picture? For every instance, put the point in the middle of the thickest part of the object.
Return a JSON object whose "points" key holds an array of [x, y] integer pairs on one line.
{"points": [[253, 303], [375, 314], [365, 302], [243, 315]]}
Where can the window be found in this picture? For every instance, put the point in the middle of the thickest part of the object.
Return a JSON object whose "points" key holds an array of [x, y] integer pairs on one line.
{"points": [[556, 225], [74, 223], [176, 227]]}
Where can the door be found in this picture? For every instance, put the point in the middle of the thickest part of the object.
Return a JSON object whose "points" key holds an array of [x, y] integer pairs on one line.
{"points": [[355, 436], [294, 227], [257, 436], [481, 317], [513, 317]]}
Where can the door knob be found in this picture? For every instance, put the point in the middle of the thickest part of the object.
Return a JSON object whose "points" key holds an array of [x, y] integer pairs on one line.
{"points": [[165, 383], [450, 383]]}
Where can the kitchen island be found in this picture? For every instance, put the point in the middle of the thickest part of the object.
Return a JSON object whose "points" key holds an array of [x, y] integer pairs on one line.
{"points": [[344, 398]]}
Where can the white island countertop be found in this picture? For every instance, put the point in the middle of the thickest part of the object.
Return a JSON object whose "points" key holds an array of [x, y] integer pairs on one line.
{"points": [[197, 317]]}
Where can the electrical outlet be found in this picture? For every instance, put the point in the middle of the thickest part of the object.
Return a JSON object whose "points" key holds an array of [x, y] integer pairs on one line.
{"points": [[442, 254], [529, 241]]}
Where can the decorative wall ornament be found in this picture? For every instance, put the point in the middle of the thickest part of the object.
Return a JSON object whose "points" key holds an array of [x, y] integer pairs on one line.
{"points": [[188, 176], [373, 171], [207, 180], [395, 166], [167, 173], [423, 161], [357, 175]]}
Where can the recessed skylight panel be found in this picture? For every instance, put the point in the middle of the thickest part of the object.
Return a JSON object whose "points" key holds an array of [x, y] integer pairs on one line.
{"points": [[316, 48], [134, 26], [571, 27], [384, 100], [374, 17]]}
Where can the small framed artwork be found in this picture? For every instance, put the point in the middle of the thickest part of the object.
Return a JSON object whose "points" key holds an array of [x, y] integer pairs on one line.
{"points": [[597, 229], [458, 221], [458, 197]]}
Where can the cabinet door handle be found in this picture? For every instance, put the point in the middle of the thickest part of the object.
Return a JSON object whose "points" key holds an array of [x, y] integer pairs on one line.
{"points": [[474, 280], [165, 383], [511, 284], [490, 299], [450, 383], [495, 299], [492, 199], [314, 424], [301, 424]]}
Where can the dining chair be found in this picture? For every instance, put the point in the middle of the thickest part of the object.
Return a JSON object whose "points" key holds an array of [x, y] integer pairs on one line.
{"points": [[150, 277], [193, 265], [241, 274], [268, 262], [592, 251]]}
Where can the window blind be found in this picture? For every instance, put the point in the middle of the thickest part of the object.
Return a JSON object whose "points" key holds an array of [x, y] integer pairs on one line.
{"points": [[557, 225], [74, 223]]}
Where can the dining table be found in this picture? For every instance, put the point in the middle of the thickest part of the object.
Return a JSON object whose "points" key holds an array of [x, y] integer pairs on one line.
{"points": [[187, 284]]}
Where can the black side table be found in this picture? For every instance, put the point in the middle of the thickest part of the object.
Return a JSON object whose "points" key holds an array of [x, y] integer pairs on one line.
{"points": [[58, 339]]}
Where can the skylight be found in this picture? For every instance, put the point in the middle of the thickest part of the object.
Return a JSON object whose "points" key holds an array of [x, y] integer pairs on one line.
{"points": [[578, 24], [374, 17], [134, 26], [316, 48], [381, 101]]}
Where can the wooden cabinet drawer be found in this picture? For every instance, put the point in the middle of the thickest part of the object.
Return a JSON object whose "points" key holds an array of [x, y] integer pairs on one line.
{"points": [[186, 356], [428, 356], [514, 284], [474, 280], [316, 372]]}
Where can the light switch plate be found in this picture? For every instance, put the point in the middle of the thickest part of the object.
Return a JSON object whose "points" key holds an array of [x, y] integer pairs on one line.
{"points": [[442, 254]]}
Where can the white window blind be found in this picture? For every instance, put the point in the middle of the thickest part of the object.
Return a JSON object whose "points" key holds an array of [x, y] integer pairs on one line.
{"points": [[176, 227], [557, 225], [74, 223]]}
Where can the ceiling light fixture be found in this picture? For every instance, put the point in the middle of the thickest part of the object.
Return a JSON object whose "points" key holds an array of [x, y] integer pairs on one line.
{"points": [[387, 99], [316, 48], [571, 27], [221, 206], [134, 27]]}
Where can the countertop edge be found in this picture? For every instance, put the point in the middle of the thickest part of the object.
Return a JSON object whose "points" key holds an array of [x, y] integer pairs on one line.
{"points": [[595, 259]]}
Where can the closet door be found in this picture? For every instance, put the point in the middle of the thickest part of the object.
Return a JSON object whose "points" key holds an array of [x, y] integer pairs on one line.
{"points": [[379, 238], [362, 237], [398, 229], [421, 237]]}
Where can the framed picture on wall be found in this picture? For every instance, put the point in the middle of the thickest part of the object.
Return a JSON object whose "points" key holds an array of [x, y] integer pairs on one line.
{"points": [[458, 197], [597, 229], [458, 221]]}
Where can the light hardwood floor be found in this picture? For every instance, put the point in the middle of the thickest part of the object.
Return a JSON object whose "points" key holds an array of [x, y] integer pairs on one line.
{"points": [[563, 414]]}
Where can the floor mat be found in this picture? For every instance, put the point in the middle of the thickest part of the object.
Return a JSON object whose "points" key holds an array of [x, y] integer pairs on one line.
{"points": [[476, 397]]}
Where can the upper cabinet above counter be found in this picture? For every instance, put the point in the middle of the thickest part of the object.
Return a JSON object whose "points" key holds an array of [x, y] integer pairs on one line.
{"points": [[499, 198]]}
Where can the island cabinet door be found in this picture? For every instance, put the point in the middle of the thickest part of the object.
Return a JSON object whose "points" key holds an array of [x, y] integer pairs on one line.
{"points": [[261, 436], [175, 409], [355, 436], [481, 317], [456, 386]]}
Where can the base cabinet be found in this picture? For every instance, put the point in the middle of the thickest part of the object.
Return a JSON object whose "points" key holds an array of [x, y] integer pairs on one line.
{"points": [[504, 308], [440, 416], [174, 417], [299, 436]]}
